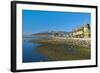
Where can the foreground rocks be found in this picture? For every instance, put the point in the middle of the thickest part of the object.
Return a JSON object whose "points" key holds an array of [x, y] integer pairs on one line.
{"points": [[60, 49], [74, 42]]}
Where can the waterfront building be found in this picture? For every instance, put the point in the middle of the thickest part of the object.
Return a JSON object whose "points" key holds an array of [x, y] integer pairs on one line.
{"points": [[82, 32], [87, 31]]}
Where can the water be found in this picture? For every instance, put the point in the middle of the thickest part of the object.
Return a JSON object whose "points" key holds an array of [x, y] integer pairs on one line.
{"points": [[30, 54], [40, 52]]}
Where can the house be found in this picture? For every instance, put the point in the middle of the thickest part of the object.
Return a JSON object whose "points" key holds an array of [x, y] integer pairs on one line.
{"points": [[82, 32]]}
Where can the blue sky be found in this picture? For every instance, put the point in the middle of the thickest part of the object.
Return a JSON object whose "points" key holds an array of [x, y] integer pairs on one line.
{"points": [[40, 21]]}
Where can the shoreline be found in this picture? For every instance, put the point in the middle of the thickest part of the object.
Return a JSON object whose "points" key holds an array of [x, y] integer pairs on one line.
{"points": [[60, 49], [75, 42]]}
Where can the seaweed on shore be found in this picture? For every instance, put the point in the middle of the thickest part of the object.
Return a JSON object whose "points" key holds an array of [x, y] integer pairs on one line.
{"points": [[63, 52], [64, 49]]}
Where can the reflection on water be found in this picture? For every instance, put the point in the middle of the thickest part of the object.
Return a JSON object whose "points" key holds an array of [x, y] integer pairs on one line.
{"points": [[30, 54], [36, 52]]}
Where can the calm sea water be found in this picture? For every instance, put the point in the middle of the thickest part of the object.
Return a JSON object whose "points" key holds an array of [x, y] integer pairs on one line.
{"points": [[30, 54]]}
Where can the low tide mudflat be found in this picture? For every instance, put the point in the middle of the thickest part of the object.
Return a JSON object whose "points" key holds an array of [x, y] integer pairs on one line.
{"points": [[60, 50]]}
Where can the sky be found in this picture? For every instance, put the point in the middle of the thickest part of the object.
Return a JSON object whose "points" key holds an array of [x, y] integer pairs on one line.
{"points": [[34, 21]]}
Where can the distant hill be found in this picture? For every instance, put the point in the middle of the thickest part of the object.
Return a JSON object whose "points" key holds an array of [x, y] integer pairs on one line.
{"points": [[56, 33], [47, 34]]}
